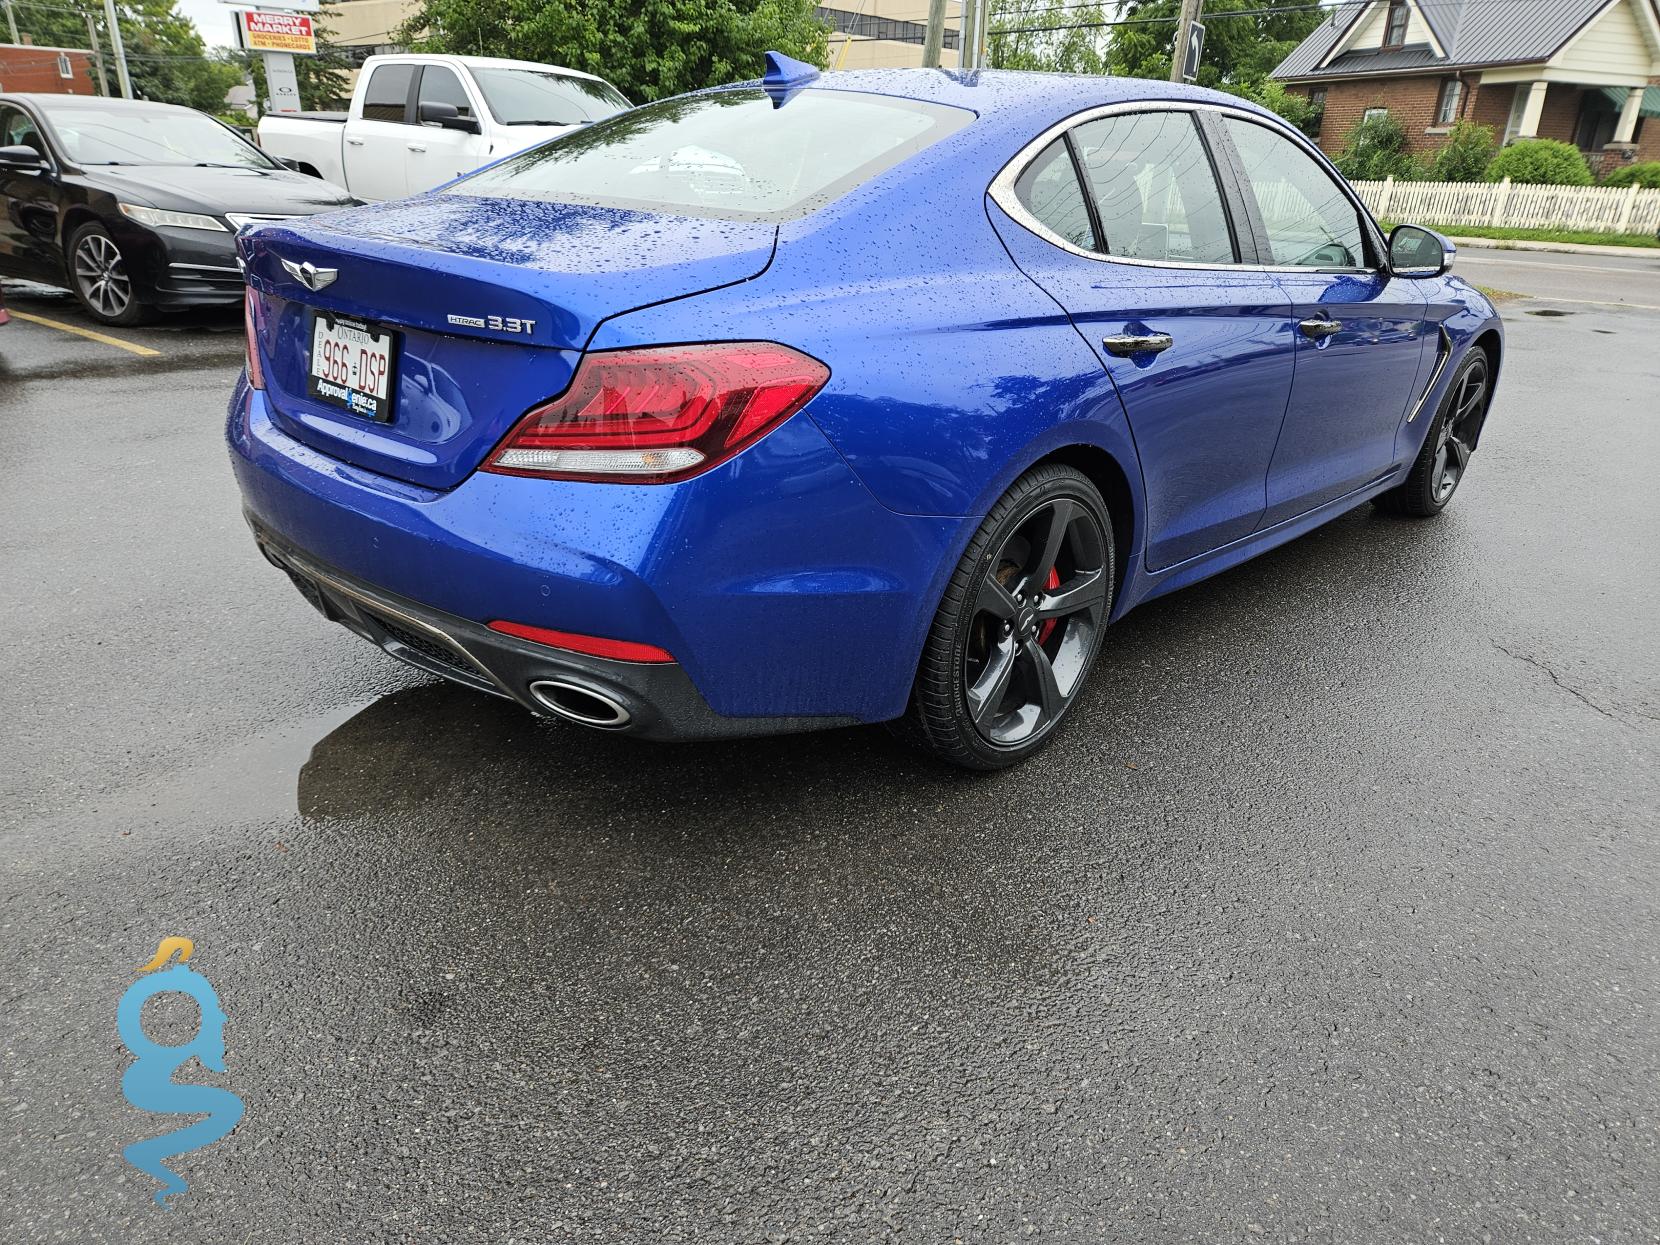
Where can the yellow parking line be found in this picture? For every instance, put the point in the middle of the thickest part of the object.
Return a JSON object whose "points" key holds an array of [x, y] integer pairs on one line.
{"points": [[86, 333]]}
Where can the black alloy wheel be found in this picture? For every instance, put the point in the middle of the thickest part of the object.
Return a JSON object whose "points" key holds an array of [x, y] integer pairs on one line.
{"points": [[1445, 457], [1020, 624], [1460, 424]]}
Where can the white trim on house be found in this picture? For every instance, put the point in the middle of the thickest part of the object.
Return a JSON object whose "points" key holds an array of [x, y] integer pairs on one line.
{"points": [[1371, 25]]}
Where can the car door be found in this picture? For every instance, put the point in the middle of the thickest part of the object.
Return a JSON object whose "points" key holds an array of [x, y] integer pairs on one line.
{"points": [[1144, 256], [1360, 333], [28, 205], [375, 154], [435, 154]]}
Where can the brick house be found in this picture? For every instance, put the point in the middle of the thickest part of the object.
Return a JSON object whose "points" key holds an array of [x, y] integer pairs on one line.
{"points": [[46, 71], [1583, 71]]}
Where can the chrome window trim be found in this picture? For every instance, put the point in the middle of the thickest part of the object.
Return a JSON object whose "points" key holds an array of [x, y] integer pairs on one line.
{"points": [[1002, 191]]}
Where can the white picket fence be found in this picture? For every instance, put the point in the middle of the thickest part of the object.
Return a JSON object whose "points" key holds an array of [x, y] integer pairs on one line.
{"points": [[1609, 209]]}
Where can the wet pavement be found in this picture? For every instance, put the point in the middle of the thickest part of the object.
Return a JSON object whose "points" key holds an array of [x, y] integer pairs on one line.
{"points": [[1332, 916]]}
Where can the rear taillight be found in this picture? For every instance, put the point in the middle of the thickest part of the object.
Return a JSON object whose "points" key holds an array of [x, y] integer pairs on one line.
{"points": [[664, 413], [250, 324]]}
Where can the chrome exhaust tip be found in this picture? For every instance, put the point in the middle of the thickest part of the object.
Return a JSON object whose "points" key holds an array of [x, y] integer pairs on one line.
{"points": [[579, 703]]}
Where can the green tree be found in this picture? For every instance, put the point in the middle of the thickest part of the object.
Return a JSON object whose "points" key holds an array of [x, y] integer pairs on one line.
{"points": [[1377, 148], [649, 49], [1540, 162], [1465, 155], [165, 56], [1239, 51], [1054, 35], [1297, 109]]}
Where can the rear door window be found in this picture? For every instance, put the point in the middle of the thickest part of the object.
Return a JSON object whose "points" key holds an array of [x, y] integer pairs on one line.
{"points": [[387, 96], [729, 154], [1154, 187]]}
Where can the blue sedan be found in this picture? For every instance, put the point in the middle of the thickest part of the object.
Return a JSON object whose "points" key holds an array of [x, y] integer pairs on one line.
{"points": [[841, 398]]}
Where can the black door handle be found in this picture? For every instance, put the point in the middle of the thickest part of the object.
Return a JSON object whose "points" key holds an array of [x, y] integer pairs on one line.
{"points": [[1318, 327], [1123, 345]]}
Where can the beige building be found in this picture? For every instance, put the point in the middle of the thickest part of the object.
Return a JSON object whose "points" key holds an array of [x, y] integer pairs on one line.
{"points": [[887, 34], [864, 34]]}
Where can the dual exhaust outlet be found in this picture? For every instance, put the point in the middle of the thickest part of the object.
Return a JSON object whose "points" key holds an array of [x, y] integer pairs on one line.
{"points": [[583, 704]]}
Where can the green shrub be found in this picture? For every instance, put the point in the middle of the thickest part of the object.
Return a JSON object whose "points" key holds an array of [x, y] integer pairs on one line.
{"points": [[1646, 174], [1466, 154], [1377, 149], [1540, 162], [1297, 109]]}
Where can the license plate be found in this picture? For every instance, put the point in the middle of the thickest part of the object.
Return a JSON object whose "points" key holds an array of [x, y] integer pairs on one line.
{"points": [[351, 365]]}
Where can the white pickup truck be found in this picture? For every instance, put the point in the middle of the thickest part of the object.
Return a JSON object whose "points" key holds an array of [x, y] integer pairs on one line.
{"points": [[417, 121]]}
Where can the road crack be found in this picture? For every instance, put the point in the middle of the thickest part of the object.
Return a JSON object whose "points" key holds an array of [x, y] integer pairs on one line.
{"points": [[1557, 679]]}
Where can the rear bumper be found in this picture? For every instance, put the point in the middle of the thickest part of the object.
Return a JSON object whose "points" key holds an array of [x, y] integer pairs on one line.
{"points": [[787, 595], [652, 701]]}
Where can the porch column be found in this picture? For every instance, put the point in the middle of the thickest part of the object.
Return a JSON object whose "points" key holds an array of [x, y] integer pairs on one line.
{"points": [[1533, 110], [1626, 129]]}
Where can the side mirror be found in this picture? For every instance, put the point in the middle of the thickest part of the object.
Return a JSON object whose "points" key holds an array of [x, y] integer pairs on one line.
{"points": [[22, 159], [1419, 253], [447, 117]]}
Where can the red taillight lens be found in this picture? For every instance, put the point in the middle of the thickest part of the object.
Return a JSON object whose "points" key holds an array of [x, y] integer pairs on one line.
{"points": [[250, 325], [659, 414]]}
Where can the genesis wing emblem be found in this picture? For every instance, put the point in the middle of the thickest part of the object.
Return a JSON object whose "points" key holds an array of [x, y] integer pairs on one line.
{"points": [[310, 275]]}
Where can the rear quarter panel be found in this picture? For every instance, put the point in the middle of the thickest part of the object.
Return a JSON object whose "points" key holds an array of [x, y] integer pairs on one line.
{"points": [[951, 372]]}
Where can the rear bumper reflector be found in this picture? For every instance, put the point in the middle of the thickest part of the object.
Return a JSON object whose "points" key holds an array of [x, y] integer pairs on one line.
{"points": [[593, 646]]}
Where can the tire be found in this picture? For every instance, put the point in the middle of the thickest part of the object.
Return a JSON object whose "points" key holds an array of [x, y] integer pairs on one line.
{"points": [[1451, 439], [981, 699], [99, 278]]}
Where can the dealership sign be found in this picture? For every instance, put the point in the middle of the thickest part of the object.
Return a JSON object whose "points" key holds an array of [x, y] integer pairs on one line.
{"points": [[278, 32]]}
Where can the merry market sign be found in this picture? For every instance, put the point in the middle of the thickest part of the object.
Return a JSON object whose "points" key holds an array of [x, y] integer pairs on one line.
{"points": [[278, 32]]}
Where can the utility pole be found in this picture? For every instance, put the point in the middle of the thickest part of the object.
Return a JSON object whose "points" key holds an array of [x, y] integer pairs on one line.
{"points": [[1184, 34], [97, 55], [936, 34], [965, 44], [11, 20], [119, 49]]}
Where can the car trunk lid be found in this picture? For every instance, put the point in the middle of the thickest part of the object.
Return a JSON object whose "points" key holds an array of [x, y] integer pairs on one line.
{"points": [[491, 302]]}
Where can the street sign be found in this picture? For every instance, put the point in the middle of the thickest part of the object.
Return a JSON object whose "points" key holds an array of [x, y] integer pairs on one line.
{"points": [[1195, 51], [278, 32]]}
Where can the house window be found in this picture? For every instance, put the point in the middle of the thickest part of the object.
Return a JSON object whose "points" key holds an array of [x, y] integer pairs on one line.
{"points": [[1394, 31], [1317, 97], [65, 70], [1446, 108], [1371, 114]]}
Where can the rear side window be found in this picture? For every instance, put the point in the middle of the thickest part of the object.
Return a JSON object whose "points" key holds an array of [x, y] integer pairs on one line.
{"points": [[1309, 221], [441, 86], [728, 154], [17, 130], [537, 97], [387, 98], [1155, 192], [1050, 192]]}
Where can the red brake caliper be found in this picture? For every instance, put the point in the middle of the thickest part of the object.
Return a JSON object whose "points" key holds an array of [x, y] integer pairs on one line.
{"points": [[1048, 628]]}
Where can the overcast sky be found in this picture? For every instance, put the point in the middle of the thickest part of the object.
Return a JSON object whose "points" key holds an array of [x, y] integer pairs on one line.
{"points": [[212, 19]]}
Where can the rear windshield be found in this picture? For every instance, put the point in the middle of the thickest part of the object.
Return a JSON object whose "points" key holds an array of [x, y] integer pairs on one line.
{"points": [[729, 154]]}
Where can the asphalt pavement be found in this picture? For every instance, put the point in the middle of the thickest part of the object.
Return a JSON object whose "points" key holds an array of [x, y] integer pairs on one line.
{"points": [[1333, 915]]}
